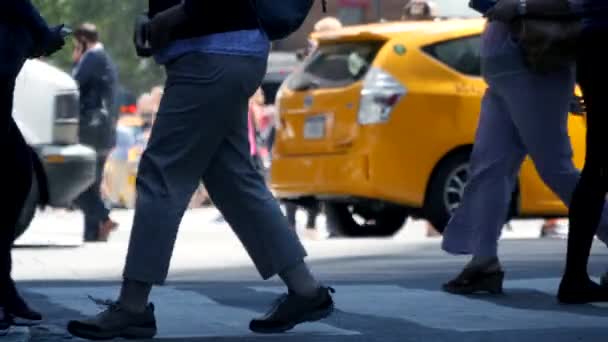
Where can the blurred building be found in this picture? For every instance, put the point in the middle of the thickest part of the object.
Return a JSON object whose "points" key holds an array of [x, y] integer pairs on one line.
{"points": [[354, 12]]}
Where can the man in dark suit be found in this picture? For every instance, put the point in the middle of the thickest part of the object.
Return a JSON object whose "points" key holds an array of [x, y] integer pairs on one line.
{"points": [[23, 34], [97, 79]]}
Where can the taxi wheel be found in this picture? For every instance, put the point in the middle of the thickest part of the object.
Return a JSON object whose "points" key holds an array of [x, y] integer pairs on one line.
{"points": [[446, 190], [363, 221], [29, 210]]}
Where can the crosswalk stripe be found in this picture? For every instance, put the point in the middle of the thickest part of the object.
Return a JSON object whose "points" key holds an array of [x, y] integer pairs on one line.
{"points": [[180, 313], [189, 314], [438, 310]]}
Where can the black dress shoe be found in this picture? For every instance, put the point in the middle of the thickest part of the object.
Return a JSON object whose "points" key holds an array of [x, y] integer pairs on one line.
{"points": [[291, 310], [477, 279], [582, 291]]}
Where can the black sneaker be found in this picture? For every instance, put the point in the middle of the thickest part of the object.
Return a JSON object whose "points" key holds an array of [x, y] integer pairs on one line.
{"points": [[291, 310], [115, 322], [17, 309]]}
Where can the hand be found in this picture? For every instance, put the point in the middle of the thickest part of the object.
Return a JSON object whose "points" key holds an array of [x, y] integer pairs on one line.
{"points": [[505, 11], [78, 52], [141, 36], [54, 41]]}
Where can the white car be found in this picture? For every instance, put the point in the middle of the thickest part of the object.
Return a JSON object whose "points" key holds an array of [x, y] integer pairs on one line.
{"points": [[46, 109]]}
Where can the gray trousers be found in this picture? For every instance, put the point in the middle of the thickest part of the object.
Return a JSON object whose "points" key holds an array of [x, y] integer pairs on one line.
{"points": [[201, 131], [522, 113]]}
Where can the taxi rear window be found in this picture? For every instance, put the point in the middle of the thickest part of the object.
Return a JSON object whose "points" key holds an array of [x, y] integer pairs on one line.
{"points": [[462, 54], [335, 65]]}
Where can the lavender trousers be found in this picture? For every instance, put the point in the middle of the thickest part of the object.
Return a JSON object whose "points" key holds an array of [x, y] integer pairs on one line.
{"points": [[522, 113]]}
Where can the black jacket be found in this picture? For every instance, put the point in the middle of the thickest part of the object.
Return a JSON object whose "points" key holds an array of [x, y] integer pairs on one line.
{"points": [[209, 16], [22, 12], [97, 79]]}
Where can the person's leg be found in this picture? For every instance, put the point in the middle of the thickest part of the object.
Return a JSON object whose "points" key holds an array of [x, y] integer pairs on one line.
{"points": [[589, 196], [313, 212], [291, 210], [495, 161], [14, 187], [96, 214], [242, 196], [18, 179], [476, 225], [189, 128]]}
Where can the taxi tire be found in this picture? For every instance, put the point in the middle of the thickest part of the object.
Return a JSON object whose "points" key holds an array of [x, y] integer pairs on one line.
{"points": [[434, 209], [29, 209], [340, 222]]}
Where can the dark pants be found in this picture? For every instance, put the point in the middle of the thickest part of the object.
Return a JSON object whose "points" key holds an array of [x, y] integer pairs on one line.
{"points": [[16, 176], [91, 203], [589, 196], [201, 131], [16, 171]]}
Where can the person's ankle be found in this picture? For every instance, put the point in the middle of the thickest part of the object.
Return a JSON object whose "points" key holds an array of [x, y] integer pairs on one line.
{"points": [[487, 263], [134, 295]]}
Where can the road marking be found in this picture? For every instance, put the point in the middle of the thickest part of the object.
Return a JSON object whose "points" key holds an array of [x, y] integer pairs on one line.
{"points": [[180, 313], [439, 310], [16, 334]]}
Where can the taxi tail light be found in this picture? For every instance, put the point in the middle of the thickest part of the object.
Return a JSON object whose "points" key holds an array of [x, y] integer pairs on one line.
{"points": [[381, 93]]}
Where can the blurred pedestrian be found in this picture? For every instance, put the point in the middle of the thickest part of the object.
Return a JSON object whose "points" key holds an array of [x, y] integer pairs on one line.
{"points": [[255, 112], [418, 10], [314, 208], [97, 78], [23, 34], [518, 104], [215, 54], [324, 25], [552, 228], [588, 200]]}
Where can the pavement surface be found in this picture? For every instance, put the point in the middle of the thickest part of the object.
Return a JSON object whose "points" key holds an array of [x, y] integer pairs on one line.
{"points": [[386, 289]]}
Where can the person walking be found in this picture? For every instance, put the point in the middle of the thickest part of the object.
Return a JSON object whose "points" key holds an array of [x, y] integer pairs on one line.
{"points": [[313, 209], [23, 34], [588, 200], [215, 55], [518, 104], [97, 79]]}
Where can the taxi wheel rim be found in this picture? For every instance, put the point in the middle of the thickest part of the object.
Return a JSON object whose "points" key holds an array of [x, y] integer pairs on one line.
{"points": [[454, 187]]}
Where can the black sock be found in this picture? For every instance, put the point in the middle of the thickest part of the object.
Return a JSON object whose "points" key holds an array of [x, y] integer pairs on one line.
{"points": [[134, 295]]}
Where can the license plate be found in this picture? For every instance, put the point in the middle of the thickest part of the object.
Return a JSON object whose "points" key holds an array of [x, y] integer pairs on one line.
{"points": [[314, 128]]}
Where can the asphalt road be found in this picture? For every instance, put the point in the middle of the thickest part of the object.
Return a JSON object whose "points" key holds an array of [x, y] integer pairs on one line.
{"points": [[387, 290]]}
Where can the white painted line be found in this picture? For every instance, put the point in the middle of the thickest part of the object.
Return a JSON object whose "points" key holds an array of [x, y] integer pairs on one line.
{"points": [[17, 334], [439, 310], [180, 314]]}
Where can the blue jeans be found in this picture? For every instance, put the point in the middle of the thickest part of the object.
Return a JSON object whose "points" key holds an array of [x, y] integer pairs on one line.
{"points": [[522, 113], [201, 132]]}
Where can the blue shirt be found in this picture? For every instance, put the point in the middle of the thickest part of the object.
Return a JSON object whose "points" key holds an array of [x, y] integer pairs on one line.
{"points": [[243, 43]]}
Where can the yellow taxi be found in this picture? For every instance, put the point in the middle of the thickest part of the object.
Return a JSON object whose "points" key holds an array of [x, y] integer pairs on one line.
{"points": [[379, 122]]}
